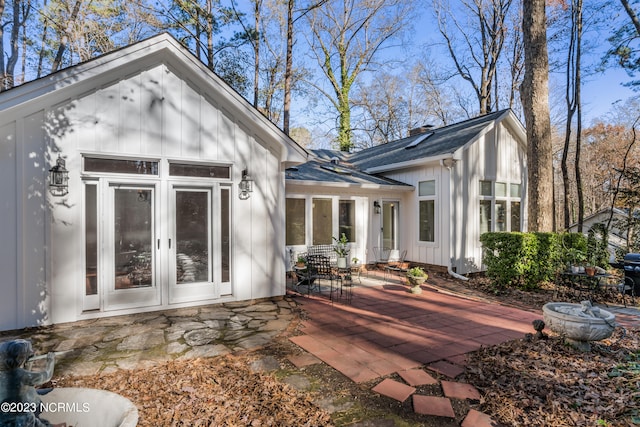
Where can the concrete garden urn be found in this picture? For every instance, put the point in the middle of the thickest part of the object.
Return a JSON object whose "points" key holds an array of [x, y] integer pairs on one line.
{"points": [[580, 323], [416, 277]]}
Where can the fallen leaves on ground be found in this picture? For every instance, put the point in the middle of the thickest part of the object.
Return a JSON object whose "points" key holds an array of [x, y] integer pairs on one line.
{"points": [[549, 383], [220, 391]]}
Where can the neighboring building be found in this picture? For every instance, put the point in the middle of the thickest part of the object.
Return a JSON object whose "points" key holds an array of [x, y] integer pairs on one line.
{"points": [[155, 145], [431, 194], [617, 237]]}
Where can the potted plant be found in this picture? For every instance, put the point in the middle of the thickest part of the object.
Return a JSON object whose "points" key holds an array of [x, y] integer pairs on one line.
{"points": [[577, 259], [301, 262], [416, 277], [341, 248], [590, 268]]}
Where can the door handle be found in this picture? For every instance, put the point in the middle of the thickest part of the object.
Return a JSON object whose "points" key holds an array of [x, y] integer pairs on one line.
{"points": [[158, 243], [169, 243]]}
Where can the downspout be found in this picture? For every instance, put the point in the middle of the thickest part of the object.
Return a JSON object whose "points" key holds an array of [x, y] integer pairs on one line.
{"points": [[449, 163]]}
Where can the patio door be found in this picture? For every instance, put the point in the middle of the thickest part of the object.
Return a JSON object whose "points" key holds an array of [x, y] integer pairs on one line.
{"points": [[390, 210], [192, 245], [130, 253]]}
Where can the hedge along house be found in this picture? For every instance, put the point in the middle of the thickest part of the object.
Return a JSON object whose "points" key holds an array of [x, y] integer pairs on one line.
{"points": [[431, 194], [157, 212]]}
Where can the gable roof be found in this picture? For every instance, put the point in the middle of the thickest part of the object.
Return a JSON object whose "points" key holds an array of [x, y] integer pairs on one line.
{"points": [[162, 48], [435, 144], [363, 167]]}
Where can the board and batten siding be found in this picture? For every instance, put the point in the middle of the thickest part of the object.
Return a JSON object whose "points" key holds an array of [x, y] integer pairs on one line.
{"points": [[495, 156], [155, 113], [436, 253]]}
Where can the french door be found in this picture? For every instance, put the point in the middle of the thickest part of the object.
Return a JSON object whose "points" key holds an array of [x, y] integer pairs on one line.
{"points": [[130, 246], [192, 243], [390, 224], [155, 243]]}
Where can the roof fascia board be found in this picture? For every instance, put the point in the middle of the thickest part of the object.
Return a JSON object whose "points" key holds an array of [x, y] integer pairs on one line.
{"points": [[509, 117], [409, 164], [490, 126], [516, 125], [326, 184], [31, 91]]}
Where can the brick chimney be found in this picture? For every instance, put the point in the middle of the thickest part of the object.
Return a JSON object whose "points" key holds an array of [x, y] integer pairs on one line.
{"points": [[420, 130]]}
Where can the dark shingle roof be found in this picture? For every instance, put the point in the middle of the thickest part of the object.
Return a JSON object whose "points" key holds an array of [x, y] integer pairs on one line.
{"points": [[323, 170], [434, 143], [340, 167]]}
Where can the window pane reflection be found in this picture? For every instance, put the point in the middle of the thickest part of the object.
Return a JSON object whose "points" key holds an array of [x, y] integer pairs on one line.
{"points": [[322, 223], [133, 238], [192, 236]]}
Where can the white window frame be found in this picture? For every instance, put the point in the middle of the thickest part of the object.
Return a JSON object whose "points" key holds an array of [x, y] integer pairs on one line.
{"points": [[508, 199], [429, 197]]}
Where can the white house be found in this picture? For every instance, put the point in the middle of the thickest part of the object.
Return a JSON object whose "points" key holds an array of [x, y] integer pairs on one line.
{"points": [[431, 194], [617, 237], [155, 146]]}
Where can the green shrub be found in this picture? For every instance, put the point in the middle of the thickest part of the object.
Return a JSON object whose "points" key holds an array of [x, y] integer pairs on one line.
{"points": [[526, 260]]}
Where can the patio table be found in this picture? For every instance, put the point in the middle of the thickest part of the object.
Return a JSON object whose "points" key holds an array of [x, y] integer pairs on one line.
{"points": [[582, 283]]}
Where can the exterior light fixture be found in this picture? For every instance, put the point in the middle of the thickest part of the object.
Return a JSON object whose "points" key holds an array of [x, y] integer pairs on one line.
{"points": [[59, 178], [245, 185], [376, 207]]}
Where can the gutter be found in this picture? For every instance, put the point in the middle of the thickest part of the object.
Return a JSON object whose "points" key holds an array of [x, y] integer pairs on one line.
{"points": [[449, 164], [407, 164]]}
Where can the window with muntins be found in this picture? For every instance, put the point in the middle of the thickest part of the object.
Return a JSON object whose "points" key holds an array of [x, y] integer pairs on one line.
{"points": [[499, 206], [347, 219]]}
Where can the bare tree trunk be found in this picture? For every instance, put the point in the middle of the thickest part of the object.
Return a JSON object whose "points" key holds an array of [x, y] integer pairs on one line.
{"points": [[9, 80], [210, 63], [256, 53], [288, 69], [65, 37], [479, 53], [578, 82], [43, 41], [573, 91], [625, 159], [632, 14], [535, 101]]}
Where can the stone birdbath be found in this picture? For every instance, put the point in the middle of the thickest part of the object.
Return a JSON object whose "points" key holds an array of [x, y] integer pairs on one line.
{"points": [[22, 405], [580, 323]]}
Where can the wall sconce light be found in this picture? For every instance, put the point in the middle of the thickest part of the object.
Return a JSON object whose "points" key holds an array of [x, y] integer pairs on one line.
{"points": [[59, 178], [376, 207], [245, 185]]}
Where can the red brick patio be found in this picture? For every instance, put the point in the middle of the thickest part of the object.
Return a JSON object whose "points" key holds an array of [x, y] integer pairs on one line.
{"points": [[385, 330]]}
